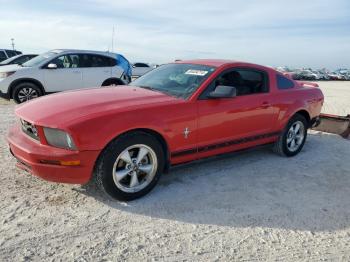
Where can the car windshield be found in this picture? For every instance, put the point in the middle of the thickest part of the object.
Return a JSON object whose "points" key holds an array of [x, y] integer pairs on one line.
{"points": [[180, 80], [5, 62], [39, 59]]}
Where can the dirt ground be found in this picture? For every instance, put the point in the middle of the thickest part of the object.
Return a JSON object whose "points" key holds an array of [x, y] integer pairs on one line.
{"points": [[337, 97], [248, 206]]}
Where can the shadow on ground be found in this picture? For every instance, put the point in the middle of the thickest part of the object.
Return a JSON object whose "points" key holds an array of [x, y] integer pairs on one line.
{"points": [[255, 189]]}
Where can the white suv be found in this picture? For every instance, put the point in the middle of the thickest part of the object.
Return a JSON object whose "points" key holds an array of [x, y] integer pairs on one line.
{"points": [[61, 70]]}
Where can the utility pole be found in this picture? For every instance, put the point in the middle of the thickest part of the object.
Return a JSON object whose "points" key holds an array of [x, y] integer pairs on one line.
{"points": [[113, 40], [13, 44]]}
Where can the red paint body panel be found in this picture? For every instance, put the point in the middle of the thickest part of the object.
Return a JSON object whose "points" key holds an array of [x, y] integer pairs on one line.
{"points": [[95, 117], [29, 153]]}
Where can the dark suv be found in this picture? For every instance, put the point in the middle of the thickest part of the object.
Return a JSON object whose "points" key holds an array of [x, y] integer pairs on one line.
{"points": [[6, 53]]}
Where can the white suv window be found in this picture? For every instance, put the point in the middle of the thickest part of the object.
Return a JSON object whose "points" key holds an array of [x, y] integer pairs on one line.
{"points": [[88, 60], [66, 61]]}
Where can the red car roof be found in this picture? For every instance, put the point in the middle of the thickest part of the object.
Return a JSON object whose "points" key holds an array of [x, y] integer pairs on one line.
{"points": [[219, 62], [207, 62]]}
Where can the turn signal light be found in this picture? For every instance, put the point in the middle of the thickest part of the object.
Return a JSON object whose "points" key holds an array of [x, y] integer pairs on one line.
{"points": [[61, 163], [70, 163]]}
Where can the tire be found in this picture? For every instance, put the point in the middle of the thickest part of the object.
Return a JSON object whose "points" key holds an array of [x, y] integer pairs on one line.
{"points": [[284, 144], [25, 91], [112, 162]]}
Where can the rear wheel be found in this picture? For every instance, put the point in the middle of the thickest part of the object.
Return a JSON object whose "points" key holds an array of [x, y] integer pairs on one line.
{"points": [[130, 166], [293, 137], [26, 91]]}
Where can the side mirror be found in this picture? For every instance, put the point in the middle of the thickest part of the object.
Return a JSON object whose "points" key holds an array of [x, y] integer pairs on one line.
{"points": [[223, 92], [52, 66]]}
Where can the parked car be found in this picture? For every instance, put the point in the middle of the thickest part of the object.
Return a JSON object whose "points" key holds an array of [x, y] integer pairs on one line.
{"points": [[6, 53], [124, 138], [335, 76], [323, 76], [342, 74], [316, 74], [139, 69], [62, 70], [308, 75], [17, 60]]}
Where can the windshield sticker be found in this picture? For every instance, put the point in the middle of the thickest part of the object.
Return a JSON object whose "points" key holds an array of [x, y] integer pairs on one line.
{"points": [[196, 72]]}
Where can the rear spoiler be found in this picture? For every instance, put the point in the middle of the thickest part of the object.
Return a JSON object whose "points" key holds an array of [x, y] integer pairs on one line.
{"points": [[307, 84]]}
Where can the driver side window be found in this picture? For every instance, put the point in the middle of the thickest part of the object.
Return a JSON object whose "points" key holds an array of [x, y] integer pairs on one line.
{"points": [[66, 61], [246, 81]]}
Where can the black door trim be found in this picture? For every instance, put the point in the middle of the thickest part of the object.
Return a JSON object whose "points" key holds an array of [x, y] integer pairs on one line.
{"points": [[223, 144]]}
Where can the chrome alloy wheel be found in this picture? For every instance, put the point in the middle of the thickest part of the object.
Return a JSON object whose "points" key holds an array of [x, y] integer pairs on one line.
{"points": [[135, 168], [27, 93], [295, 136]]}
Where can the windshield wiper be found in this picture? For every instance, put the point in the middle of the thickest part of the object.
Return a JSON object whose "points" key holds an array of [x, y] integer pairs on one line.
{"points": [[158, 90], [149, 88]]}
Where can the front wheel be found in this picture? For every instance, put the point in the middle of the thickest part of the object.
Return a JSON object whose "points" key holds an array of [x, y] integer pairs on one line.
{"points": [[130, 166], [293, 137], [25, 91]]}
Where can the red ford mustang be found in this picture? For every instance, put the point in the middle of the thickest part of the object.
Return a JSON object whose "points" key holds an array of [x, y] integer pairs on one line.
{"points": [[123, 138]]}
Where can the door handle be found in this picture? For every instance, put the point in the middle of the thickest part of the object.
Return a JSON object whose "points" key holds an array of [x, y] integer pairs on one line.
{"points": [[265, 105]]}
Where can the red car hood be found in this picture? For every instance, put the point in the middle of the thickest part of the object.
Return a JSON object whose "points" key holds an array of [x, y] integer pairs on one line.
{"points": [[67, 107]]}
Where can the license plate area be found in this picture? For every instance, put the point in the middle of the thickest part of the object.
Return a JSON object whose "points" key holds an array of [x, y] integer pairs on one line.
{"points": [[21, 164]]}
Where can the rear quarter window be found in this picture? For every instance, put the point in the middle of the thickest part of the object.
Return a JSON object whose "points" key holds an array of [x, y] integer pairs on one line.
{"points": [[90, 60], [284, 83]]}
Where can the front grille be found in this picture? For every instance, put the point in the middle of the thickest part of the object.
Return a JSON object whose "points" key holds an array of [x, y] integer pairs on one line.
{"points": [[29, 129]]}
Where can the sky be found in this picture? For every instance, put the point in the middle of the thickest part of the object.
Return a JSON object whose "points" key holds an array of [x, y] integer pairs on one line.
{"points": [[296, 33]]}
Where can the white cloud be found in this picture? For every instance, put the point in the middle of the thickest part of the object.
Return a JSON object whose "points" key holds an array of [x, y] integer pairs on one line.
{"points": [[269, 32]]}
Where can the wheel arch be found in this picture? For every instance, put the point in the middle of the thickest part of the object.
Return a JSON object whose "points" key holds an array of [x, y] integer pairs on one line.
{"points": [[160, 138], [305, 114], [24, 80]]}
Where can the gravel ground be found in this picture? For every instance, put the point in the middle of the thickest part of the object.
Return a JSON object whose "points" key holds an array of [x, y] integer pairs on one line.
{"points": [[248, 206], [337, 97]]}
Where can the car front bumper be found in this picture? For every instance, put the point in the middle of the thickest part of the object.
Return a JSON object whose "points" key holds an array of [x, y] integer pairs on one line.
{"points": [[4, 95], [4, 88], [33, 157]]}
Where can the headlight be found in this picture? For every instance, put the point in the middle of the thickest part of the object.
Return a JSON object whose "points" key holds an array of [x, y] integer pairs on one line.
{"points": [[6, 74], [59, 138]]}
